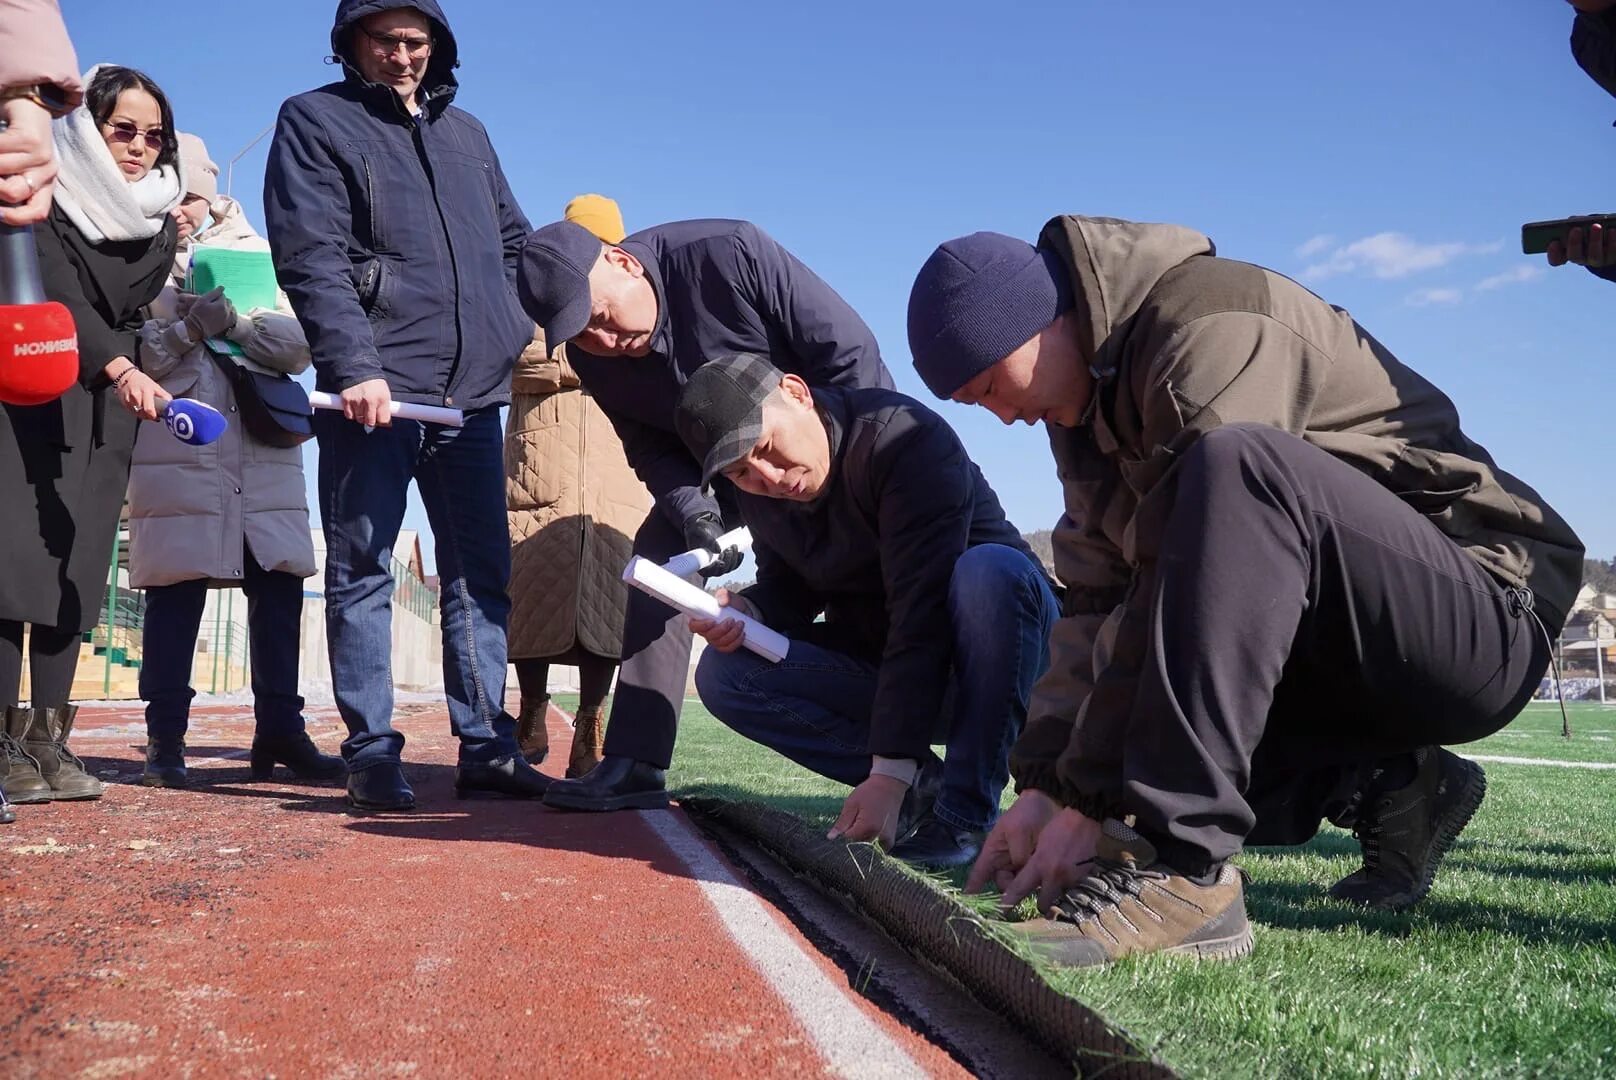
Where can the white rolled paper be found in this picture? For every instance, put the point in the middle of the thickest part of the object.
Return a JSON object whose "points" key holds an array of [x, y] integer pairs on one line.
{"points": [[676, 592], [404, 410], [700, 558]]}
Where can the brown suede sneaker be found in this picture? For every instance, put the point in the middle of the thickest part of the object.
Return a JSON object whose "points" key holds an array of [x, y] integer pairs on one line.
{"points": [[1131, 903], [1405, 832]]}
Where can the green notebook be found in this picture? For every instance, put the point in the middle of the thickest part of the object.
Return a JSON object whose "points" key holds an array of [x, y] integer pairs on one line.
{"points": [[248, 278]]}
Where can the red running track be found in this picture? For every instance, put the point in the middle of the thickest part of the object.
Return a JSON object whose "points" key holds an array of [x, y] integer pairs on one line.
{"points": [[240, 929]]}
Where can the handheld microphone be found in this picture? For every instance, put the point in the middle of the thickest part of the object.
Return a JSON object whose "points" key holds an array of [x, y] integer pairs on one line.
{"points": [[193, 422], [39, 345]]}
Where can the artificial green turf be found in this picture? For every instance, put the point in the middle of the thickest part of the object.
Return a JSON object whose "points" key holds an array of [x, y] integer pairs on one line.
{"points": [[1507, 969]]}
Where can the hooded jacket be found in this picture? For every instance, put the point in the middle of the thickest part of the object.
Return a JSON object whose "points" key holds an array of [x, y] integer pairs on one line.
{"points": [[397, 237], [1182, 342], [722, 287], [875, 553]]}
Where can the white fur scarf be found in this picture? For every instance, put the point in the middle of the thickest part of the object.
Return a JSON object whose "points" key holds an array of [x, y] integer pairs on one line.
{"points": [[92, 191]]}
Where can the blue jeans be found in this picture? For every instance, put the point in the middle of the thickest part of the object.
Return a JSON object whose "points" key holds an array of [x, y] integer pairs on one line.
{"points": [[814, 707], [274, 618], [364, 480]]}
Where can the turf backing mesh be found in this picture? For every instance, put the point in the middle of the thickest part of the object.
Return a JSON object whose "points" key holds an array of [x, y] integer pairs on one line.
{"points": [[942, 932]]}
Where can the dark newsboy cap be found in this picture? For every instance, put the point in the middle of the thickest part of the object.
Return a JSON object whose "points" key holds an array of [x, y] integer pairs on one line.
{"points": [[720, 410]]}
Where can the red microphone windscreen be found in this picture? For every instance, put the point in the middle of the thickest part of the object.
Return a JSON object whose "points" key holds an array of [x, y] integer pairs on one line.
{"points": [[39, 353]]}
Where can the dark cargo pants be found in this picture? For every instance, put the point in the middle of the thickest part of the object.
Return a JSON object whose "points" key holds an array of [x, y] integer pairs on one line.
{"points": [[1307, 623]]}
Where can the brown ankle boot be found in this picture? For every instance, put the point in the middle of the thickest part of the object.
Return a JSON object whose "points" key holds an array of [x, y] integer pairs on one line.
{"points": [[47, 744], [532, 731], [19, 772], [588, 741]]}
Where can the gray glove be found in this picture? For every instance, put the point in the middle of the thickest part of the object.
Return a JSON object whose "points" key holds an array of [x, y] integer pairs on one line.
{"points": [[210, 315]]}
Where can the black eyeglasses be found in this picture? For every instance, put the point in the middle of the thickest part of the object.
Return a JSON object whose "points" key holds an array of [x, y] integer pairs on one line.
{"points": [[125, 132], [387, 44]]}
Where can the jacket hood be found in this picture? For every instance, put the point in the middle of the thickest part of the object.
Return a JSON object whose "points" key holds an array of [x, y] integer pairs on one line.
{"points": [[440, 82], [1114, 265], [1593, 44]]}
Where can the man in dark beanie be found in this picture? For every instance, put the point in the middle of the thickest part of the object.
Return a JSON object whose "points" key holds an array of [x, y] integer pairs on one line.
{"points": [[1291, 579], [866, 511], [638, 318]]}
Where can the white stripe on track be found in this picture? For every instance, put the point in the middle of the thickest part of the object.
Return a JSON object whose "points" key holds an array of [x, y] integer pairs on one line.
{"points": [[1498, 760], [851, 1043]]}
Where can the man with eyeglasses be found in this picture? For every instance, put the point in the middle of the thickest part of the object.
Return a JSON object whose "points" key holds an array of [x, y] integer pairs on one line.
{"points": [[396, 237], [639, 318]]}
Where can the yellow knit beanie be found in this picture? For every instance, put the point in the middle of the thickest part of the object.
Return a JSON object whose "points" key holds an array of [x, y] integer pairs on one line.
{"points": [[599, 215]]}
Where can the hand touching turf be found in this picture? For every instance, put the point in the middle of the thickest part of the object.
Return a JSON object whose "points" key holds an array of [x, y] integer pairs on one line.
{"points": [[1036, 847], [871, 812]]}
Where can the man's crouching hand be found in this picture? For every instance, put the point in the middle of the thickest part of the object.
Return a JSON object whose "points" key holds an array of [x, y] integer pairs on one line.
{"points": [[871, 812], [1036, 847], [725, 635]]}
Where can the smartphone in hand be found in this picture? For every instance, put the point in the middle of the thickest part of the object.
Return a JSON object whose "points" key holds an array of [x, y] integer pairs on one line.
{"points": [[1536, 236]]}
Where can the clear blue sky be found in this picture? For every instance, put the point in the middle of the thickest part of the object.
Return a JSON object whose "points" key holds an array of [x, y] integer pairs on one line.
{"points": [[863, 134]]}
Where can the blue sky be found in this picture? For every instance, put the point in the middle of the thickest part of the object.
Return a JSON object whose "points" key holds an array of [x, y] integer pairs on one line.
{"points": [[1385, 154]]}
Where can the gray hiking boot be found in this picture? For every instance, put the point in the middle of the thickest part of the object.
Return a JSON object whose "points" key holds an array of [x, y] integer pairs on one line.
{"points": [[1405, 832], [19, 772], [46, 742]]}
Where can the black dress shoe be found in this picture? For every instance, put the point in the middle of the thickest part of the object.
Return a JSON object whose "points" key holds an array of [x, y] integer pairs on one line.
{"points": [[165, 762], [296, 752], [617, 783], [922, 794], [510, 777], [936, 845], [380, 787]]}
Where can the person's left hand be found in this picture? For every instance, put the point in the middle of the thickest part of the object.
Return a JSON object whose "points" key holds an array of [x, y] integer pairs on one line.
{"points": [[871, 811], [141, 395], [1065, 848], [27, 163]]}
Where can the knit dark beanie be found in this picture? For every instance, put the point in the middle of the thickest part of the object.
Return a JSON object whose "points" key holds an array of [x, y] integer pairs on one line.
{"points": [[977, 300]]}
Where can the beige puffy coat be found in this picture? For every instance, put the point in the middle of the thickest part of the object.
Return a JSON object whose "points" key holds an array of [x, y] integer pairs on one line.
{"points": [[574, 506], [192, 507]]}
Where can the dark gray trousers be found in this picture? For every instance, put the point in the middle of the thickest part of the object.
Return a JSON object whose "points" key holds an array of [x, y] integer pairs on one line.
{"points": [[656, 660], [1306, 624]]}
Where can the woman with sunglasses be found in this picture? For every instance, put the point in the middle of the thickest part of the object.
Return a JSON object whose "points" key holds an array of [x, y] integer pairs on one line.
{"points": [[105, 252]]}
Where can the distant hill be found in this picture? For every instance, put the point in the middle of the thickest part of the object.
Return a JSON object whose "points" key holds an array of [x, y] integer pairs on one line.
{"points": [[1042, 544], [1599, 574]]}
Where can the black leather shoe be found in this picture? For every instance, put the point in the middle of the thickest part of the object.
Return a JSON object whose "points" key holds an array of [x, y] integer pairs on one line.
{"points": [[165, 762], [617, 783], [918, 800], [296, 752], [511, 777], [380, 787], [936, 845]]}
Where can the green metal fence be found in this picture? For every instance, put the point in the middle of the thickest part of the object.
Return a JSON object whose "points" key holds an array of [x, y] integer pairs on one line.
{"points": [[222, 662]]}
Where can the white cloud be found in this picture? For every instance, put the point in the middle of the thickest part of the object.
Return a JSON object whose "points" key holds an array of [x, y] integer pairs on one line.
{"points": [[1427, 297], [1509, 277], [1316, 246], [1390, 255]]}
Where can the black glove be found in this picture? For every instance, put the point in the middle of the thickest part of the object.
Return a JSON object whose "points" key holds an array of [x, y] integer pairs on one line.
{"points": [[703, 531]]}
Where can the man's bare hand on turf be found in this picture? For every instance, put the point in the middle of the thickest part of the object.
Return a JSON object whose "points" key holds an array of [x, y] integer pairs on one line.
{"points": [[871, 812], [1061, 858], [1010, 845]]}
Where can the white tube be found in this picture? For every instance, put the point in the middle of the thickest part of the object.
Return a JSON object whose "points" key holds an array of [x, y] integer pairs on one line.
{"points": [[404, 410], [650, 578], [700, 558]]}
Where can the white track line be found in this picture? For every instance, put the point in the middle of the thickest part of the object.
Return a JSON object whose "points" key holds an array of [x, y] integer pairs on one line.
{"points": [[1497, 760], [851, 1043]]}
